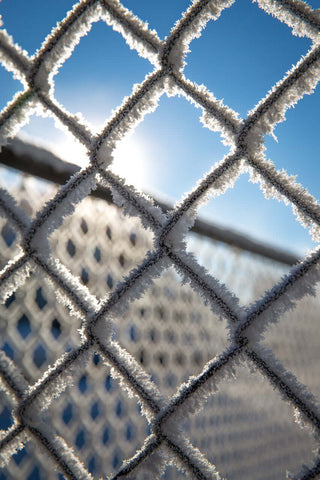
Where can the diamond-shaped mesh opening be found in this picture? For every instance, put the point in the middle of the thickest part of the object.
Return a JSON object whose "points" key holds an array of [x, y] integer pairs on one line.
{"points": [[166, 341], [94, 80], [248, 64], [175, 138], [100, 246]]}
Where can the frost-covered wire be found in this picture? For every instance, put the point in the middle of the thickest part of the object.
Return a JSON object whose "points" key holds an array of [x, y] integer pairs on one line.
{"points": [[245, 138]]}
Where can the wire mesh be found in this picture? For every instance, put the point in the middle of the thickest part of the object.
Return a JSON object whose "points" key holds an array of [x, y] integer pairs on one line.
{"points": [[151, 417]]}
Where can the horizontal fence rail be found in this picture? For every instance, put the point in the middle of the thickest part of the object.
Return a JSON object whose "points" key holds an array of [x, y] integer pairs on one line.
{"points": [[34, 161]]}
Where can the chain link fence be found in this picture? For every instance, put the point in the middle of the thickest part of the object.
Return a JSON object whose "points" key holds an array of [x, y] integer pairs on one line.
{"points": [[122, 356]]}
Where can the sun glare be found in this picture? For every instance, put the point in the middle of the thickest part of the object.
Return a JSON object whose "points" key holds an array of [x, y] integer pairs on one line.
{"points": [[130, 157], [70, 151], [130, 162]]}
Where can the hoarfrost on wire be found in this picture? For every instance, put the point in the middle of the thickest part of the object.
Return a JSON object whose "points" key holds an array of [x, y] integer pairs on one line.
{"points": [[245, 139]]}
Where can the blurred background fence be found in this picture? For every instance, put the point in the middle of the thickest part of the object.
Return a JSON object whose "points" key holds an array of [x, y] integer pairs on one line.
{"points": [[246, 428]]}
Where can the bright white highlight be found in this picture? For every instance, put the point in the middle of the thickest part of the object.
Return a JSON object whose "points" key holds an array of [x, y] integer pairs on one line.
{"points": [[130, 162], [71, 151], [130, 156]]}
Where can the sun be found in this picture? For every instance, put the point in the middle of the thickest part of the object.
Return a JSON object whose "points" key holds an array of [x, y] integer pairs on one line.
{"points": [[129, 159], [130, 162], [70, 151]]}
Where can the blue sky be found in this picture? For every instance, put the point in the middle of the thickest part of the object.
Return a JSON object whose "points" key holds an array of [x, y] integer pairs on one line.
{"points": [[239, 58]]}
